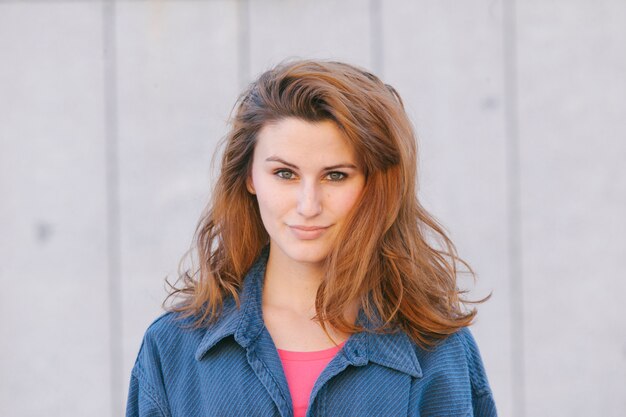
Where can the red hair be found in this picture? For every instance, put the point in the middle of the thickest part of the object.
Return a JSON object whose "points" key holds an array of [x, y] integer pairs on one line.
{"points": [[394, 258]]}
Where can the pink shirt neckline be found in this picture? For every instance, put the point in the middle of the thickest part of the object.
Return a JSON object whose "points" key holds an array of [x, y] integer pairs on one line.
{"points": [[302, 370], [310, 356]]}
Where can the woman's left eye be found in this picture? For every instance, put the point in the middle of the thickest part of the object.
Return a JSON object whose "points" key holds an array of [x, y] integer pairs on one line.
{"points": [[285, 174], [336, 176]]}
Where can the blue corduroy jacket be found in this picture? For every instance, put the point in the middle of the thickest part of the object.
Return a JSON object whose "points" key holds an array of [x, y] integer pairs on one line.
{"points": [[232, 368]]}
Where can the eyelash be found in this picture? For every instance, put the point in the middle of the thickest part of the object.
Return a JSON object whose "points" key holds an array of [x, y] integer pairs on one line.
{"points": [[279, 173]]}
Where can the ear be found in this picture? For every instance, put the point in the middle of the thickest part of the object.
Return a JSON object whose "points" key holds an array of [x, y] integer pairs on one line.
{"points": [[250, 185]]}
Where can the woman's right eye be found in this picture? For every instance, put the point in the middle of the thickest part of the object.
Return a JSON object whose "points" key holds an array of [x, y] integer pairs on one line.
{"points": [[285, 174]]}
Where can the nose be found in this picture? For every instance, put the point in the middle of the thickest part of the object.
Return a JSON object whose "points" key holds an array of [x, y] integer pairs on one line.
{"points": [[309, 199]]}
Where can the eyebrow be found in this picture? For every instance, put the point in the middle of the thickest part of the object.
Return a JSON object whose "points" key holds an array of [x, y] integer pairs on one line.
{"points": [[282, 161]]}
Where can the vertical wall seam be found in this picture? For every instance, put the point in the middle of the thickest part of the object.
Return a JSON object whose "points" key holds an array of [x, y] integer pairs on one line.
{"points": [[514, 198], [243, 43], [113, 204], [376, 38]]}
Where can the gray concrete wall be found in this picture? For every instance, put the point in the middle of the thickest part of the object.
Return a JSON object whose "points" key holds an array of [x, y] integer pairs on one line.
{"points": [[110, 113]]}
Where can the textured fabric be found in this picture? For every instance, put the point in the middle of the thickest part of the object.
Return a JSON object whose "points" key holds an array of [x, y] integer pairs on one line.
{"points": [[233, 369], [302, 370]]}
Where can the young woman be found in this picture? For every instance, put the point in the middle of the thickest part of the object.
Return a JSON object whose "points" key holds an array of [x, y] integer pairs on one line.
{"points": [[323, 287]]}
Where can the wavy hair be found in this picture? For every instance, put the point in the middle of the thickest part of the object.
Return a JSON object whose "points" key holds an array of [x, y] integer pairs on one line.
{"points": [[395, 259]]}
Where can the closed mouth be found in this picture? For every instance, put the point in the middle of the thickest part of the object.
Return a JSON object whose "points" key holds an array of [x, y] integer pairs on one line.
{"points": [[309, 228]]}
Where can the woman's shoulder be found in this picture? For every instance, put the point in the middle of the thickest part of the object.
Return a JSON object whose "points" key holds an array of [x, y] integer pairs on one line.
{"points": [[170, 324], [182, 334], [170, 332], [456, 358], [460, 343]]}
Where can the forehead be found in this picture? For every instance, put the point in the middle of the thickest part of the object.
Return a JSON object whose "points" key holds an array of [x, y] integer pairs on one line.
{"points": [[296, 138]]}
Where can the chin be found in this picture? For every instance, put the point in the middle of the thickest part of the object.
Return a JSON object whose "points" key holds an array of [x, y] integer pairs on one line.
{"points": [[305, 254], [309, 257]]}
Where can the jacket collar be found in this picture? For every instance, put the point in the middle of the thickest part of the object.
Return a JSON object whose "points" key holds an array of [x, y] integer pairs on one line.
{"points": [[392, 350], [245, 322]]}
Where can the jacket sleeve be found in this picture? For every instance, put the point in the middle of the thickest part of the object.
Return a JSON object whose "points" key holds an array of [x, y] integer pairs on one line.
{"points": [[483, 404], [146, 393], [140, 402], [454, 383]]}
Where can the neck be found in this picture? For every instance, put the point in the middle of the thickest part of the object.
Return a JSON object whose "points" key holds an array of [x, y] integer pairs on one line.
{"points": [[291, 285]]}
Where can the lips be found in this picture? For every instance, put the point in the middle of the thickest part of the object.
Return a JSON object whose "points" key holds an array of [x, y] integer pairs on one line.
{"points": [[308, 232], [309, 228]]}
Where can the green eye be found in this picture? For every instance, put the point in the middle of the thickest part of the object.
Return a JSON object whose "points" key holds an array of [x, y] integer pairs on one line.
{"points": [[284, 174], [336, 176]]}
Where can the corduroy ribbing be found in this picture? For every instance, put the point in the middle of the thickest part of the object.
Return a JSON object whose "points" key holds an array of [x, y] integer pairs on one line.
{"points": [[232, 368]]}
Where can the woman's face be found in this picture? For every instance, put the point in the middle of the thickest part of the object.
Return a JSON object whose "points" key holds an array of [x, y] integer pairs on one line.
{"points": [[306, 181]]}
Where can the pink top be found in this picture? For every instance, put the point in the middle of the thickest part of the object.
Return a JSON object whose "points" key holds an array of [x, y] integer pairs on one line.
{"points": [[302, 370]]}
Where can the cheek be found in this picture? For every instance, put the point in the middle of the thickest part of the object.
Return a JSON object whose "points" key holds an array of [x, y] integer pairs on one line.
{"points": [[271, 199], [345, 200]]}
